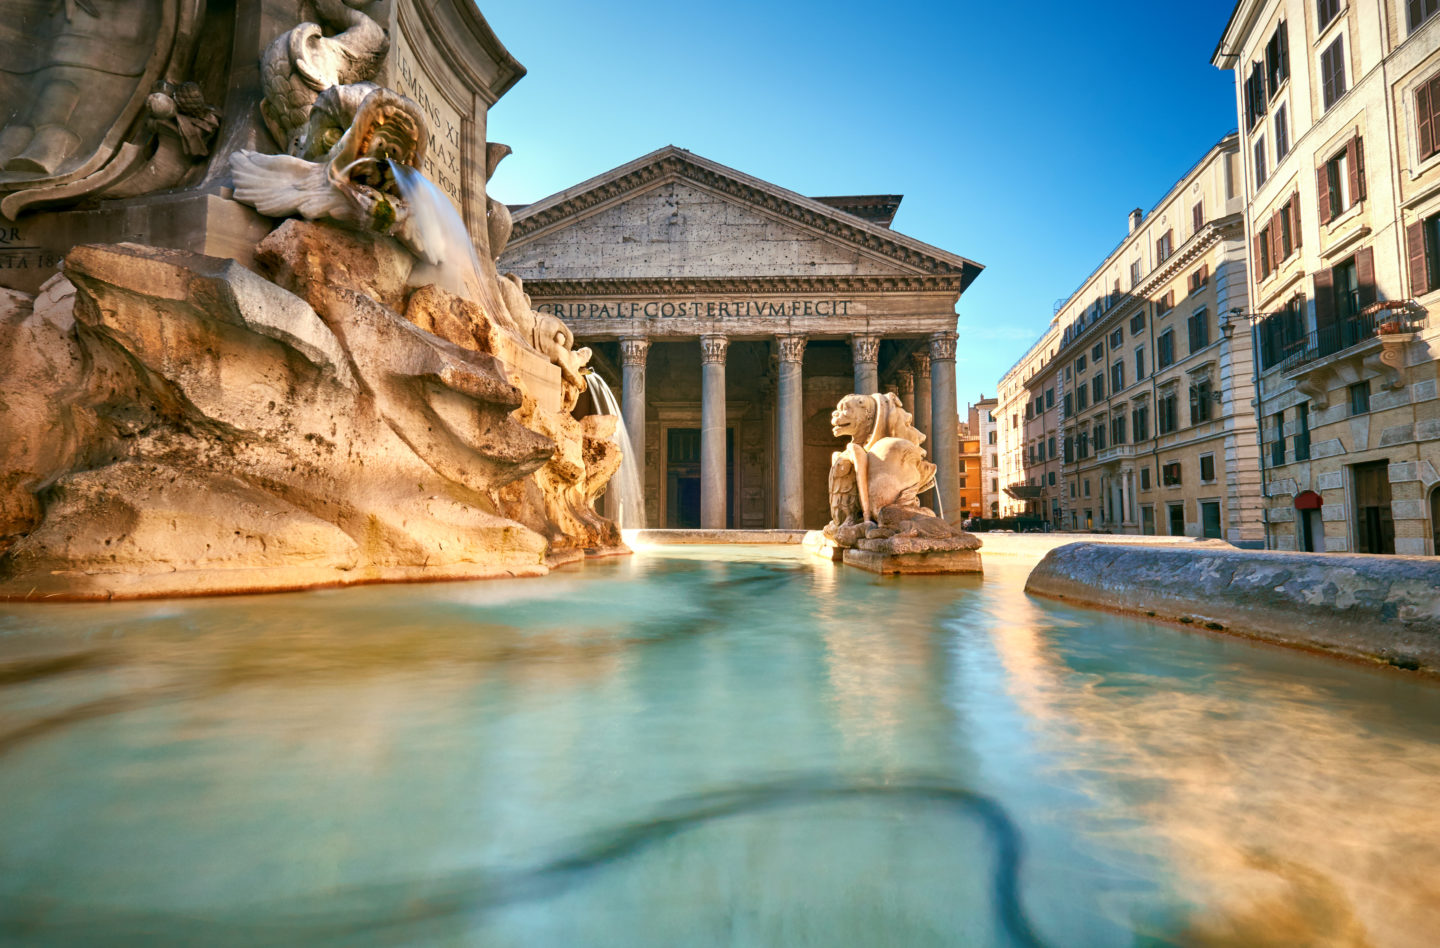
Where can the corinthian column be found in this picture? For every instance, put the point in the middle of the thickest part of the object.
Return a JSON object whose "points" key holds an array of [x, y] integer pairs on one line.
{"points": [[866, 349], [712, 431], [945, 422], [792, 442], [906, 382], [920, 367], [632, 396]]}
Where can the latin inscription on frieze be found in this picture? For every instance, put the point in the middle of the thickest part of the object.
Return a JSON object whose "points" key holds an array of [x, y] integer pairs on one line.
{"points": [[444, 155], [16, 253], [698, 309]]}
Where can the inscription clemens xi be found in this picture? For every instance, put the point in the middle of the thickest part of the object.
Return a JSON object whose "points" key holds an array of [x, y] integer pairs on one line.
{"points": [[443, 163], [697, 309]]}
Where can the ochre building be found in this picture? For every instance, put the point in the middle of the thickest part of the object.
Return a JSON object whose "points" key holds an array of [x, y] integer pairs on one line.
{"points": [[731, 315]]}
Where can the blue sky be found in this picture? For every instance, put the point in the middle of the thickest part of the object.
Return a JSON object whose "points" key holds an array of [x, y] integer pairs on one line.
{"points": [[1020, 134]]}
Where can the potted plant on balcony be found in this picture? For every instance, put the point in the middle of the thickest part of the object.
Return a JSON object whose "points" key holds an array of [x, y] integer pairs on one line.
{"points": [[1389, 327]]}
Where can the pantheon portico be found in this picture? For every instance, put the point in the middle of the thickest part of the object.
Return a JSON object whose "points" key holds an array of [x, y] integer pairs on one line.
{"points": [[731, 315]]}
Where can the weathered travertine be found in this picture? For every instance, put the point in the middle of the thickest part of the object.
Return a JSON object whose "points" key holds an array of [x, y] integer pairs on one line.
{"points": [[1383, 608]]}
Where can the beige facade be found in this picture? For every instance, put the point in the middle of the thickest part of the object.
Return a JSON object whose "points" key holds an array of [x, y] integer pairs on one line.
{"points": [[731, 315], [1339, 106], [1143, 379], [987, 412]]}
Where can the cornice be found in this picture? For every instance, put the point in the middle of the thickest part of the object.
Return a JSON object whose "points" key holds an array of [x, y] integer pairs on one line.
{"points": [[674, 164], [718, 286]]}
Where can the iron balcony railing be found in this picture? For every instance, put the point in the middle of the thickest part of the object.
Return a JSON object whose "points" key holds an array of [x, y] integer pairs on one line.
{"points": [[1348, 332]]}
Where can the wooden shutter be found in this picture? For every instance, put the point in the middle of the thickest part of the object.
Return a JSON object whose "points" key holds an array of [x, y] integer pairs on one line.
{"points": [[1259, 255], [1295, 219], [1322, 194], [1277, 241], [1365, 276], [1284, 52], [1424, 125], [1204, 273], [1355, 160], [1324, 301], [1419, 272]]}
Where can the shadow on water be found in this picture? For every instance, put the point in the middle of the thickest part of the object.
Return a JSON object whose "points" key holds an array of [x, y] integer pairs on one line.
{"points": [[460, 898]]}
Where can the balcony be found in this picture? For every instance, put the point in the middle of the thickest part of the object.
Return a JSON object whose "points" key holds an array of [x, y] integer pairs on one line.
{"points": [[1377, 336], [1115, 453]]}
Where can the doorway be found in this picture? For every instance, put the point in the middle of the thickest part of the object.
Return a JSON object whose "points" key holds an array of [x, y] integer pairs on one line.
{"points": [[682, 478], [1374, 523], [1435, 521], [1210, 520], [1177, 520]]}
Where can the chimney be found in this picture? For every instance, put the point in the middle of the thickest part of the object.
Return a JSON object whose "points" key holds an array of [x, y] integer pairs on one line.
{"points": [[1136, 216]]}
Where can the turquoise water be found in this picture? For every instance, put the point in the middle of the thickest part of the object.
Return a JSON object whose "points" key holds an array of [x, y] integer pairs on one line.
{"points": [[700, 746]]}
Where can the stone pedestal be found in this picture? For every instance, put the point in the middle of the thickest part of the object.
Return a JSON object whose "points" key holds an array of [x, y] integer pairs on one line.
{"points": [[952, 561]]}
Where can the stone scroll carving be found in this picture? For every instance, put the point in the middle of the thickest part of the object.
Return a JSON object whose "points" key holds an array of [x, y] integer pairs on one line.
{"points": [[105, 102], [876, 482]]}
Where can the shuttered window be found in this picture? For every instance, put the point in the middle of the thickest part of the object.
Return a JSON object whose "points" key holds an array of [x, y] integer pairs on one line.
{"points": [[1420, 10], [1427, 117], [1325, 11], [1277, 60], [1332, 72], [1166, 344], [1282, 133], [1197, 215], [1164, 247], [1422, 244], [1199, 330]]}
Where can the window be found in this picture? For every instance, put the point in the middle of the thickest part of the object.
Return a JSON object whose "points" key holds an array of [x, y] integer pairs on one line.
{"points": [[1282, 333], [1418, 11], [1082, 398], [1302, 431], [1139, 363], [1277, 60], [1050, 478], [1097, 353], [1282, 133], [1117, 377], [1340, 184], [1080, 365], [1166, 344], [1087, 494], [1427, 117], [1137, 323], [1165, 413], [1264, 253], [1360, 398], [1199, 279], [1082, 445], [1117, 429], [1050, 447], [1197, 216], [1140, 423], [1325, 11], [1255, 98], [1097, 388], [1134, 274], [1277, 440], [1282, 234], [1202, 398], [1199, 326], [1145, 478], [1117, 339], [1422, 241], [992, 435], [1069, 450], [1332, 72], [1069, 405], [1098, 435], [1165, 304], [1207, 468], [1049, 398], [1170, 474], [1164, 247], [1259, 161], [1029, 410], [994, 485], [1346, 294]]}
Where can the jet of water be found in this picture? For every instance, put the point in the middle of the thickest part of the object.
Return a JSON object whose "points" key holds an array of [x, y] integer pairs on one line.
{"points": [[626, 483]]}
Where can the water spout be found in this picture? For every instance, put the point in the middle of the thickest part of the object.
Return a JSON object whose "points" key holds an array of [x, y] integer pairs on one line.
{"points": [[626, 483]]}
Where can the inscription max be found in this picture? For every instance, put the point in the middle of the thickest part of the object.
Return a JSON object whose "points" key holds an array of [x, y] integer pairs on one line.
{"points": [[696, 309]]}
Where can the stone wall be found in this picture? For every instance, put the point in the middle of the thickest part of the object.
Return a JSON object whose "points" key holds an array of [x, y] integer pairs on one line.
{"points": [[1375, 608]]}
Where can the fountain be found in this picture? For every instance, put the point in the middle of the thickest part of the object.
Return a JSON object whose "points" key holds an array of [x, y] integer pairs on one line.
{"points": [[629, 496]]}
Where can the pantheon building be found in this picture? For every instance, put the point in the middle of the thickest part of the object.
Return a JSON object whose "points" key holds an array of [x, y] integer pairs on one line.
{"points": [[730, 315]]}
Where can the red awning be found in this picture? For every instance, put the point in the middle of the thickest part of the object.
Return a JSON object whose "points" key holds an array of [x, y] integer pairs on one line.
{"points": [[1308, 500]]}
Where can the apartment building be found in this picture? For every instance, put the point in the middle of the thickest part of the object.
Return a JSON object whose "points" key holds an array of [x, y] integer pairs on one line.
{"points": [[1151, 375], [971, 471], [989, 429], [1030, 436], [1339, 106]]}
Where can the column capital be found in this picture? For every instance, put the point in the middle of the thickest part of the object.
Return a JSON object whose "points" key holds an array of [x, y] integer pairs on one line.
{"points": [[866, 347], [942, 344], [906, 382], [920, 363], [791, 348], [712, 348], [633, 350]]}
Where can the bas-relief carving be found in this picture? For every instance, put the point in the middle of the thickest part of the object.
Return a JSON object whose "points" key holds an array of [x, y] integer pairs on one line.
{"points": [[103, 101], [875, 485]]}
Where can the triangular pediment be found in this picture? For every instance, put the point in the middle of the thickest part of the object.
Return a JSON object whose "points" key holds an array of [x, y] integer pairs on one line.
{"points": [[674, 215]]}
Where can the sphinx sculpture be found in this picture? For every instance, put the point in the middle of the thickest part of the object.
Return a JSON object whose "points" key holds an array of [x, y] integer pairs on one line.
{"points": [[877, 521], [347, 411]]}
